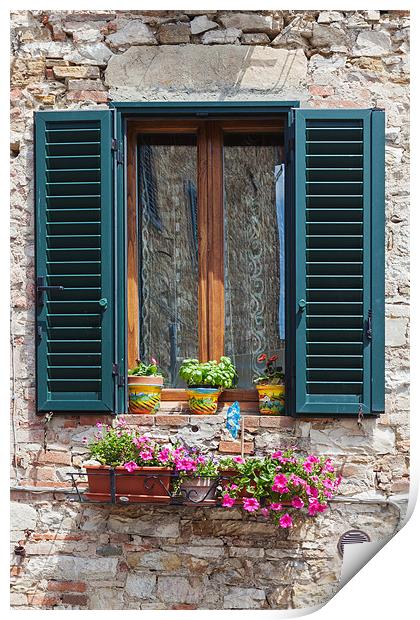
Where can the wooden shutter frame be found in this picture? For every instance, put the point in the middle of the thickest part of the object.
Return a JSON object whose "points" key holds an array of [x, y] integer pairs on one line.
{"points": [[104, 402], [373, 269]]}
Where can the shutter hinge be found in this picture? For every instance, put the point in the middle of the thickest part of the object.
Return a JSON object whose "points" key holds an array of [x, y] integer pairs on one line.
{"points": [[378, 109], [116, 373], [369, 325], [116, 148]]}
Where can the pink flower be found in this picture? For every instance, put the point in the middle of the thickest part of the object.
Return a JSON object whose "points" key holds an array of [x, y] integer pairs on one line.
{"points": [[99, 424], [264, 512], [307, 466], [238, 459], [281, 480], [85, 440], [186, 464], [297, 502], [286, 521], [277, 455], [153, 360], [146, 455], [276, 506], [121, 422], [328, 466], [140, 441], [328, 484], [233, 486], [164, 455], [131, 466], [262, 357], [251, 504], [312, 459], [315, 506], [201, 459], [228, 501]]}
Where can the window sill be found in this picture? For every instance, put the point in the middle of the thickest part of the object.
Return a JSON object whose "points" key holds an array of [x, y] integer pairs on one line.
{"points": [[227, 396]]}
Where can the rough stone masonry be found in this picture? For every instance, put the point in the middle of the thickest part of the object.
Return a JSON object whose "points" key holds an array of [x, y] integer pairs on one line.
{"points": [[101, 557]]}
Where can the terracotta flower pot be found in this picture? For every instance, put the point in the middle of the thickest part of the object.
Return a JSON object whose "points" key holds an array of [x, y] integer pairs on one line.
{"points": [[146, 484], [144, 394], [199, 491], [271, 399], [203, 401]]}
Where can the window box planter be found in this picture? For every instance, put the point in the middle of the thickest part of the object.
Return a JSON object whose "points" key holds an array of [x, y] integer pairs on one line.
{"points": [[145, 485]]}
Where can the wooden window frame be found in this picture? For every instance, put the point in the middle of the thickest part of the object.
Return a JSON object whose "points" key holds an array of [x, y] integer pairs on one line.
{"points": [[211, 308]]}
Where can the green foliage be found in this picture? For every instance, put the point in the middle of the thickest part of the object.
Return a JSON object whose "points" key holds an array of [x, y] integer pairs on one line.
{"points": [[209, 374], [272, 374], [145, 370]]}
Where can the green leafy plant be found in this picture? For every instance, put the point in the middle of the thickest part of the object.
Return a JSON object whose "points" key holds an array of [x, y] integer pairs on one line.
{"points": [[272, 374], [119, 445], [275, 485], [145, 370], [209, 374]]}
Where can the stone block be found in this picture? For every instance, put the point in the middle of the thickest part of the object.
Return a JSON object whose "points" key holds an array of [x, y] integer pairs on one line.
{"points": [[22, 517], [375, 43], [252, 22], [255, 38], [165, 527], [98, 96], [167, 69], [326, 36], [221, 37], [75, 72], [84, 85], [131, 32], [89, 54], [72, 568], [395, 332], [140, 585], [244, 598], [327, 17], [108, 551], [174, 589], [202, 23], [170, 34]]}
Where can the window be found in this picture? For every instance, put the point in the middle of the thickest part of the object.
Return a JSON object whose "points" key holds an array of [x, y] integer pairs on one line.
{"points": [[206, 225], [145, 222]]}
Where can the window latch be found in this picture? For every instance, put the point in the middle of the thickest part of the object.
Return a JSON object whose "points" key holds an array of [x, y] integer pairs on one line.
{"points": [[42, 288], [369, 325]]}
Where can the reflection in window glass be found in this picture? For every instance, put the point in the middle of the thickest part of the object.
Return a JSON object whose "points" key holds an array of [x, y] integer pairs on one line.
{"points": [[254, 250], [167, 173]]}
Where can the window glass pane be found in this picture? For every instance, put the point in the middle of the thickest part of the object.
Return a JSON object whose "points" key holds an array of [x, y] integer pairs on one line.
{"points": [[254, 250], [168, 269]]}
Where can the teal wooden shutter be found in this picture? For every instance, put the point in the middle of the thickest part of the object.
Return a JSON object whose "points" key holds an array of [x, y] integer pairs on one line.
{"points": [[74, 250], [339, 262]]}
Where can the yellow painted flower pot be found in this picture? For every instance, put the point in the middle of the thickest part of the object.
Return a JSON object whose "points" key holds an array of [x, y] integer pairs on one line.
{"points": [[144, 394], [271, 399], [203, 401]]}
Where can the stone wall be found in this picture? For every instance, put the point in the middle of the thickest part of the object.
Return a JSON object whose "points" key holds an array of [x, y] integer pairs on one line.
{"points": [[137, 557]]}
